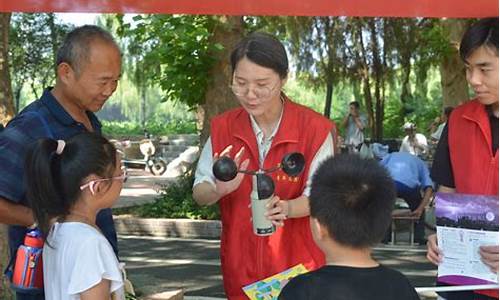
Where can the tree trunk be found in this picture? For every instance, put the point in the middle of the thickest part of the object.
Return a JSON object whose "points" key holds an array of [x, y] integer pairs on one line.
{"points": [[328, 99], [365, 75], [6, 113], [453, 81], [143, 105], [53, 41], [378, 73], [218, 97], [18, 98], [5, 292], [6, 101]]}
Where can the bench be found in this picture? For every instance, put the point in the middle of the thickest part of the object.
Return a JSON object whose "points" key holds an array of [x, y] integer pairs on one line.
{"points": [[404, 215]]}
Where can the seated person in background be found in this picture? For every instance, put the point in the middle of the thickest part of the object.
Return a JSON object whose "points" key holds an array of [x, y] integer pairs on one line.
{"points": [[413, 143], [436, 132], [411, 176], [351, 203]]}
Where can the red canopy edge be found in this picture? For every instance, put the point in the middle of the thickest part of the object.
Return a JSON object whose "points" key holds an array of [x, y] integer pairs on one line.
{"points": [[368, 8]]}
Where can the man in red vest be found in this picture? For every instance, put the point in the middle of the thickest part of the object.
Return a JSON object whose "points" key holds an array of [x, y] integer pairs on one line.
{"points": [[466, 159], [267, 126]]}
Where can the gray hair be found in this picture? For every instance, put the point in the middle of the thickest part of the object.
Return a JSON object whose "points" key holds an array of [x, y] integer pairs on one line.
{"points": [[75, 49]]}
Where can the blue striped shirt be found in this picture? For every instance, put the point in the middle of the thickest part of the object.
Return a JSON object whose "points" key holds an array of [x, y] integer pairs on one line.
{"points": [[21, 132]]}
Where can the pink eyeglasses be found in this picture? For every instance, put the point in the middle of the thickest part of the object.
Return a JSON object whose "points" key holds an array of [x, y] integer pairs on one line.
{"points": [[93, 183]]}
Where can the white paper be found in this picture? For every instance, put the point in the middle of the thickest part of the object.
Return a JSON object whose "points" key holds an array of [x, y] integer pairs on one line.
{"points": [[460, 248]]}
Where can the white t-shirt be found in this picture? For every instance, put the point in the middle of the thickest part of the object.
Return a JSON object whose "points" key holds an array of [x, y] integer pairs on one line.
{"points": [[437, 134], [416, 147], [78, 258]]}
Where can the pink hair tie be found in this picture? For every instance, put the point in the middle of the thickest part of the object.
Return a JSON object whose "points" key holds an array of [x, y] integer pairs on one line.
{"points": [[60, 146]]}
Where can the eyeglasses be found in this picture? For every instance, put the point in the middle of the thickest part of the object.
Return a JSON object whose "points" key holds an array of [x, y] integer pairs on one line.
{"points": [[93, 183], [242, 90]]}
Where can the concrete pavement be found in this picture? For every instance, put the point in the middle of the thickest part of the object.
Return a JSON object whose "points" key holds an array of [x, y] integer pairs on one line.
{"points": [[158, 264]]}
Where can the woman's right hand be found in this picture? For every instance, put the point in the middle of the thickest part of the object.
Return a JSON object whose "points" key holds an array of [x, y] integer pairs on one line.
{"points": [[223, 188], [434, 254]]}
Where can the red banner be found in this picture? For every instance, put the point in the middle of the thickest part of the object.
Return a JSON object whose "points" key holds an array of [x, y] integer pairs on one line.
{"points": [[368, 8]]}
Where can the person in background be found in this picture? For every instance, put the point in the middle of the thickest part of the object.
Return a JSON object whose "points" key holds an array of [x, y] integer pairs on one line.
{"points": [[354, 123], [88, 69], [267, 126], [68, 183], [437, 131], [413, 143], [411, 179], [466, 159], [351, 203]]}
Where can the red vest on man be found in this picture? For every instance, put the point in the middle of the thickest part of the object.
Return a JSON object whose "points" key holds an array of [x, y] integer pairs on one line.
{"points": [[475, 166], [246, 257]]}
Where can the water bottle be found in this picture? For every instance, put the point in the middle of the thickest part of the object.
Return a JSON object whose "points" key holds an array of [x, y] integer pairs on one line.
{"points": [[28, 272]]}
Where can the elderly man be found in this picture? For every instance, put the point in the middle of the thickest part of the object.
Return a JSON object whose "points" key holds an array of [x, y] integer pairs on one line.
{"points": [[88, 70], [413, 143]]}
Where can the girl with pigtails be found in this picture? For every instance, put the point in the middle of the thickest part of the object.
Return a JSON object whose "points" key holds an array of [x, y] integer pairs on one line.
{"points": [[68, 183]]}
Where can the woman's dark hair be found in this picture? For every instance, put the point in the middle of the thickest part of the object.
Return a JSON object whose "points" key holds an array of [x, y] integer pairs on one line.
{"points": [[53, 180], [264, 50], [353, 198], [482, 33]]}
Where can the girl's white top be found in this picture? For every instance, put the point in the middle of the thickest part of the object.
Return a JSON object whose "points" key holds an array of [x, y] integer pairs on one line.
{"points": [[78, 258]]}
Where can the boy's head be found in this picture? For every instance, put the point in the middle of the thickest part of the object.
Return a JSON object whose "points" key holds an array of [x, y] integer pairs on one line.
{"points": [[352, 198]]}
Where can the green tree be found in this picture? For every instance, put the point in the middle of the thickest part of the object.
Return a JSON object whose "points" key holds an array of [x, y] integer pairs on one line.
{"points": [[34, 40], [6, 103], [6, 112], [185, 56]]}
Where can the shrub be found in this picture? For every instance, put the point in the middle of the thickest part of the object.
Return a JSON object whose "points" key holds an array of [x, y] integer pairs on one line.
{"points": [[176, 201], [156, 128]]}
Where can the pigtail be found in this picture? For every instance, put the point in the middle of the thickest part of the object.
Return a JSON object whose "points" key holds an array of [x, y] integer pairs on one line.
{"points": [[42, 173]]}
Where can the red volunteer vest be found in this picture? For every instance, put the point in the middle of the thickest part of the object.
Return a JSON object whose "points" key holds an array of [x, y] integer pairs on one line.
{"points": [[246, 257], [475, 166]]}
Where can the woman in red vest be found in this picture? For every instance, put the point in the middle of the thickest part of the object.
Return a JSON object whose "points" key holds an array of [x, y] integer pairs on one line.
{"points": [[466, 159], [257, 135]]}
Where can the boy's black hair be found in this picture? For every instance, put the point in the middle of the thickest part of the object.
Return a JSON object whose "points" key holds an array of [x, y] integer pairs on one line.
{"points": [[53, 180], [353, 198], [264, 50], [482, 33]]}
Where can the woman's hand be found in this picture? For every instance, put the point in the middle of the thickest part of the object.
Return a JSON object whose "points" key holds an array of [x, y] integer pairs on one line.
{"points": [[489, 256], [277, 211], [434, 254], [223, 188]]}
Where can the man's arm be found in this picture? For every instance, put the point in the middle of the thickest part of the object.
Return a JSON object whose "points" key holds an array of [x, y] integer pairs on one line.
{"points": [[425, 200], [359, 122], [15, 214]]}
